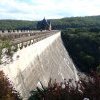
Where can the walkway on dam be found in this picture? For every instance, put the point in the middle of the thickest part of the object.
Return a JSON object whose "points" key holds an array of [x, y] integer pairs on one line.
{"points": [[36, 36], [17, 37]]}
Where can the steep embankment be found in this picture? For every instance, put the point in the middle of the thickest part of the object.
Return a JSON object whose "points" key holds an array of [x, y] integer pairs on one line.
{"points": [[41, 61]]}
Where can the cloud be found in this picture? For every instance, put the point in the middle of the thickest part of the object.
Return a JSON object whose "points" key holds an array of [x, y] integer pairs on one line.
{"points": [[37, 9]]}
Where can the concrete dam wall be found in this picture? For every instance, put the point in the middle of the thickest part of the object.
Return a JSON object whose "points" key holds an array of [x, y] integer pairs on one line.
{"points": [[41, 61]]}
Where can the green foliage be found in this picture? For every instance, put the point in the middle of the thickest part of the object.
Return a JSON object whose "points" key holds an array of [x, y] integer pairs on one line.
{"points": [[5, 43], [83, 46], [38, 93], [76, 22], [17, 24]]}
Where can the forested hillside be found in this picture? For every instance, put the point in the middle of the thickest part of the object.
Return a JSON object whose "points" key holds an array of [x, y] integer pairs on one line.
{"points": [[76, 22], [73, 22], [83, 46], [17, 24]]}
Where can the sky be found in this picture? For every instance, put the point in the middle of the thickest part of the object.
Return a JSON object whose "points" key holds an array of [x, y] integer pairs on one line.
{"points": [[50, 9]]}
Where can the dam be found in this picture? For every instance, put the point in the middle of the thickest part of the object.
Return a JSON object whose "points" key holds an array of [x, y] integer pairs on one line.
{"points": [[39, 62]]}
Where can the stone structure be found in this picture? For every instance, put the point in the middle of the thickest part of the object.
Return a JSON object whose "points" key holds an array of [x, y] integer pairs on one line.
{"points": [[21, 40], [39, 62], [22, 37]]}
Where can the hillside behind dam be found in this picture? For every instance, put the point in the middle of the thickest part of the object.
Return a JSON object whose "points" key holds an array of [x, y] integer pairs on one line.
{"points": [[39, 62]]}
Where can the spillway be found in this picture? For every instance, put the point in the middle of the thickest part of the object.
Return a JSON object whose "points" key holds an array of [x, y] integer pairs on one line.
{"points": [[41, 61]]}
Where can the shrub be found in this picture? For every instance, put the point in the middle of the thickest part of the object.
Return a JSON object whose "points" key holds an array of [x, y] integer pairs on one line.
{"points": [[88, 87], [7, 92]]}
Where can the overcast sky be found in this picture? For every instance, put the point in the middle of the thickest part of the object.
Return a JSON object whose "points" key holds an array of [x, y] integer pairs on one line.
{"points": [[38, 9]]}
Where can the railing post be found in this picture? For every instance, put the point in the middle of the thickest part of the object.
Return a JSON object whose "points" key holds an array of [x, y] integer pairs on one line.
{"points": [[18, 45], [0, 31], [13, 48], [32, 41], [24, 44], [19, 31], [21, 45], [5, 31], [28, 42]]}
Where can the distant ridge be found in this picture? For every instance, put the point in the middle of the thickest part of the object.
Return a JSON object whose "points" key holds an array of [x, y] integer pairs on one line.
{"points": [[63, 23]]}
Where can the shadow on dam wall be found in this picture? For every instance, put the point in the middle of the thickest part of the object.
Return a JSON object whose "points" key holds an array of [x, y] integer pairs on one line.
{"points": [[41, 61]]}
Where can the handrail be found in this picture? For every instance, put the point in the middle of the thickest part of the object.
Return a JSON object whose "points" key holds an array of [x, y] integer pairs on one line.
{"points": [[15, 31], [24, 34]]}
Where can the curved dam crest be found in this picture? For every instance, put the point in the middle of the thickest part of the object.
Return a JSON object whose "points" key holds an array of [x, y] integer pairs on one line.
{"points": [[41, 61]]}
